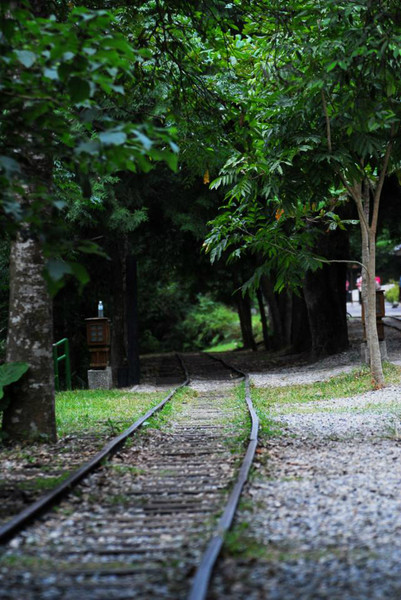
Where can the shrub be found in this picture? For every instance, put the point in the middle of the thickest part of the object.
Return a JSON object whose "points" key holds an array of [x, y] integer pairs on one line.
{"points": [[392, 294], [209, 323]]}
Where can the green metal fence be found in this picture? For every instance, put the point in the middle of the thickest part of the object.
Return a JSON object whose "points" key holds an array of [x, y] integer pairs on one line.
{"points": [[57, 359]]}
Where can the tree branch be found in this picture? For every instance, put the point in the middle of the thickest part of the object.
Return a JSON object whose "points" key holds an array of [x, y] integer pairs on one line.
{"points": [[379, 187], [351, 192], [328, 128], [338, 260]]}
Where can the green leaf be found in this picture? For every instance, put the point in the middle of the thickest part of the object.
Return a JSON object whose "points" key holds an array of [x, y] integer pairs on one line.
{"points": [[8, 28], [79, 89], [51, 74], [10, 373], [56, 269], [146, 142], [80, 272], [113, 138], [92, 147], [9, 165], [65, 70], [26, 57]]}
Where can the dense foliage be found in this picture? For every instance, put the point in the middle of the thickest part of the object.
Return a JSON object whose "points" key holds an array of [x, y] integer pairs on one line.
{"points": [[116, 118]]}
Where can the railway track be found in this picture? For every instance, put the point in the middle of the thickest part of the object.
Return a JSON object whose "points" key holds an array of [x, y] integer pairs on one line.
{"points": [[150, 522], [393, 322]]}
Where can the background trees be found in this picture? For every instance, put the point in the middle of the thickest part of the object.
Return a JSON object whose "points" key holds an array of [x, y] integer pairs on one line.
{"points": [[61, 82], [293, 109], [323, 115]]}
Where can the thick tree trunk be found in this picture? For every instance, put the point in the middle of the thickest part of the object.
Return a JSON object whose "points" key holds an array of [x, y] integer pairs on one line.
{"points": [[31, 413], [368, 235], [277, 339], [325, 297], [263, 319], [245, 317], [301, 339], [284, 302], [132, 321], [119, 326]]}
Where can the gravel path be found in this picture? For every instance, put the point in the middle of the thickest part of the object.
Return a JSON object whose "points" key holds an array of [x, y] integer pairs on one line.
{"points": [[322, 516]]}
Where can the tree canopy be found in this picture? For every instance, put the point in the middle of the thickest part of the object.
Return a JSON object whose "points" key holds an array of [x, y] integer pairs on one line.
{"points": [[116, 117]]}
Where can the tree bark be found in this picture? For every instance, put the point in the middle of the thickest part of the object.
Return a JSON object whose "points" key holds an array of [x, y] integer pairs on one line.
{"points": [[301, 339], [284, 302], [30, 413], [368, 234], [132, 320], [118, 353], [277, 339], [263, 318], [245, 317], [325, 296]]}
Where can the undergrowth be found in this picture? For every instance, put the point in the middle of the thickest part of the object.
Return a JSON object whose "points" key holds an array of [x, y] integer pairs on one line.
{"points": [[101, 411], [273, 400]]}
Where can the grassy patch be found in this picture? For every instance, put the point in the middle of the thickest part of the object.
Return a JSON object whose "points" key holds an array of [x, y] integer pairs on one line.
{"points": [[101, 411], [182, 396], [224, 347], [41, 483], [270, 402], [237, 418], [21, 561], [240, 544], [341, 386]]}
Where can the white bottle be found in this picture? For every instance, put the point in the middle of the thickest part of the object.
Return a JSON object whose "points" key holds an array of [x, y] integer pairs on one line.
{"points": [[100, 309]]}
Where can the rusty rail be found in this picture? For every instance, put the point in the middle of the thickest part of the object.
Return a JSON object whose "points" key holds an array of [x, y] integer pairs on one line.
{"points": [[17, 523]]}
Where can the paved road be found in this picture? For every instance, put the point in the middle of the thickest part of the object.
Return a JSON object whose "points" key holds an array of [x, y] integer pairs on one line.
{"points": [[354, 309]]}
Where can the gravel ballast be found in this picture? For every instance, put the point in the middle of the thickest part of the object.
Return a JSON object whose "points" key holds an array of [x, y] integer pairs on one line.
{"points": [[322, 516]]}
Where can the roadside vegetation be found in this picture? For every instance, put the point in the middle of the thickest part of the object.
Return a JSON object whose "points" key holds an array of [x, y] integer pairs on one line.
{"points": [[392, 294], [271, 400], [101, 411]]}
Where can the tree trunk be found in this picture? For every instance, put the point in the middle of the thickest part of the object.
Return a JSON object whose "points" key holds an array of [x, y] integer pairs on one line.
{"points": [[325, 296], [132, 320], [265, 329], [245, 318], [284, 302], [362, 193], [118, 351], [30, 413], [277, 339], [301, 339]]}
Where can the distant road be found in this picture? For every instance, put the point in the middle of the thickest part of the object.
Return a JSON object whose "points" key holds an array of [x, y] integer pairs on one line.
{"points": [[354, 309]]}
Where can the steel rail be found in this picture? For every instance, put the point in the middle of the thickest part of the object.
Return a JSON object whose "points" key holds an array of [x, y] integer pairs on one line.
{"points": [[19, 521], [203, 575], [392, 326]]}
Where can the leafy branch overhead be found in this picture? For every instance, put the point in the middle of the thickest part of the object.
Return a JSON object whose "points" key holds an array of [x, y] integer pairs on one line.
{"points": [[62, 83], [318, 107]]}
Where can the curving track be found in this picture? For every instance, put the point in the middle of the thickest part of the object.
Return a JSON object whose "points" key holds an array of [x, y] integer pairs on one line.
{"points": [[393, 322], [138, 526]]}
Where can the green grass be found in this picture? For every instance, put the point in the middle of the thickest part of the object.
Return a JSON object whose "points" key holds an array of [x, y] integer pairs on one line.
{"points": [[341, 386], [270, 402], [101, 411], [234, 344], [175, 404], [40, 483], [226, 347]]}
